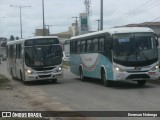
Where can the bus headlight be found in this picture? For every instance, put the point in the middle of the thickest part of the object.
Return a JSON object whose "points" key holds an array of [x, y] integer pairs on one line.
{"points": [[29, 71], [119, 69], [59, 68], [155, 67]]}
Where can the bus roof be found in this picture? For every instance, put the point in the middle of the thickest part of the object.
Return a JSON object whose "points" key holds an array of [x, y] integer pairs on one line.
{"points": [[116, 31], [35, 37]]}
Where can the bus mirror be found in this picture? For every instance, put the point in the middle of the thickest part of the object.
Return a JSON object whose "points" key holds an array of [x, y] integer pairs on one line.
{"points": [[111, 43], [157, 42], [156, 38]]}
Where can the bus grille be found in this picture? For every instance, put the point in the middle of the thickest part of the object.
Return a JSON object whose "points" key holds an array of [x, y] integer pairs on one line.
{"points": [[136, 76], [136, 71], [42, 68], [44, 76]]}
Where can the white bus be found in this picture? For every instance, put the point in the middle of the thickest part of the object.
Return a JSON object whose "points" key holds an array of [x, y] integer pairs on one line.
{"points": [[128, 53], [36, 58]]}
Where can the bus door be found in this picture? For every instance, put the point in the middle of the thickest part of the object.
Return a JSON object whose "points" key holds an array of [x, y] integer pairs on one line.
{"points": [[18, 60], [12, 60]]}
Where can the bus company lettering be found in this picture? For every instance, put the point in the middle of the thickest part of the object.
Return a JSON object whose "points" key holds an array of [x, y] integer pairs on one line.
{"points": [[88, 59]]}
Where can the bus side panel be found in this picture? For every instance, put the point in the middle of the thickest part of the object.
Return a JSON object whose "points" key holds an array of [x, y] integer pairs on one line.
{"points": [[92, 64], [95, 72], [74, 63]]}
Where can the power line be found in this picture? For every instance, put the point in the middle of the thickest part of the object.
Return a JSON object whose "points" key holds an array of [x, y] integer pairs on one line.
{"points": [[155, 19], [139, 10], [145, 9], [142, 7]]}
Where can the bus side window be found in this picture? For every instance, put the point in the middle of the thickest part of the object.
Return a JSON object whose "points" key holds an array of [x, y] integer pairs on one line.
{"points": [[101, 44], [18, 51], [95, 44], [83, 46], [11, 51], [71, 46], [74, 46], [89, 45], [79, 46]]}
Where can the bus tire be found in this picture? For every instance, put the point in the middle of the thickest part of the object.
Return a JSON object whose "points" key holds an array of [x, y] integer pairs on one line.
{"points": [[12, 74], [106, 82], [81, 74], [141, 82], [24, 82]]}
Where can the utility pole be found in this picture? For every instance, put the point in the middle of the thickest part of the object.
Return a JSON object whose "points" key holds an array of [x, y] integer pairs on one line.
{"points": [[76, 21], [43, 17], [87, 4], [20, 8], [101, 16]]}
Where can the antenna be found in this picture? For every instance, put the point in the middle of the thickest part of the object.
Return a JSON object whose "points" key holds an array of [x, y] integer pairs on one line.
{"points": [[87, 3]]}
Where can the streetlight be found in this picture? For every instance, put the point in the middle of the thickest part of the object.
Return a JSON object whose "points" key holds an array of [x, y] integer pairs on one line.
{"points": [[101, 16], [43, 17], [98, 23], [76, 22], [20, 8]]}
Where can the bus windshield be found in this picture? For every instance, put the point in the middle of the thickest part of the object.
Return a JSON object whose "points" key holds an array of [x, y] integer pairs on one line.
{"points": [[137, 47], [48, 55]]}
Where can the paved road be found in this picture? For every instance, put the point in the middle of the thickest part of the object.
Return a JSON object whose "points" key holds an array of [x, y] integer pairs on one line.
{"points": [[93, 96]]}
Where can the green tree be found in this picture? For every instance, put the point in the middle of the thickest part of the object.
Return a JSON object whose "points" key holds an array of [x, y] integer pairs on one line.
{"points": [[12, 38], [17, 38]]}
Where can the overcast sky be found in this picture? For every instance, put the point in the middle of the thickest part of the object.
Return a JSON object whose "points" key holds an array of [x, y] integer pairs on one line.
{"points": [[59, 13]]}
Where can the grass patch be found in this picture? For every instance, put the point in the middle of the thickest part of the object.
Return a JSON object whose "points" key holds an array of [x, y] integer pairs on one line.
{"points": [[4, 82], [66, 64], [3, 79]]}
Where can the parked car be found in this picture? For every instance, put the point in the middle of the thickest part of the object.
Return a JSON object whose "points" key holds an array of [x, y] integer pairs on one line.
{"points": [[1, 58], [66, 57], [4, 58]]}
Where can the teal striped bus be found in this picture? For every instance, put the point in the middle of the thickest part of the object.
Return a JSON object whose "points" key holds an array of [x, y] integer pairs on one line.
{"points": [[116, 54]]}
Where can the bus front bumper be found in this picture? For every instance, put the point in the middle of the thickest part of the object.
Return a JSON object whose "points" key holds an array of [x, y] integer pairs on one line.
{"points": [[137, 76], [35, 77]]}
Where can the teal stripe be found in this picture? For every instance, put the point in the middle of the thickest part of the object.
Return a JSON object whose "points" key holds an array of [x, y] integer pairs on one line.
{"points": [[75, 61]]}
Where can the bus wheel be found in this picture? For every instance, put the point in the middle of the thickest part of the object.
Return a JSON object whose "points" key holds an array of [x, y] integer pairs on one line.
{"points": [[103, 78], [24, 82], [81, 74], [12, 75], [141, 82]]}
